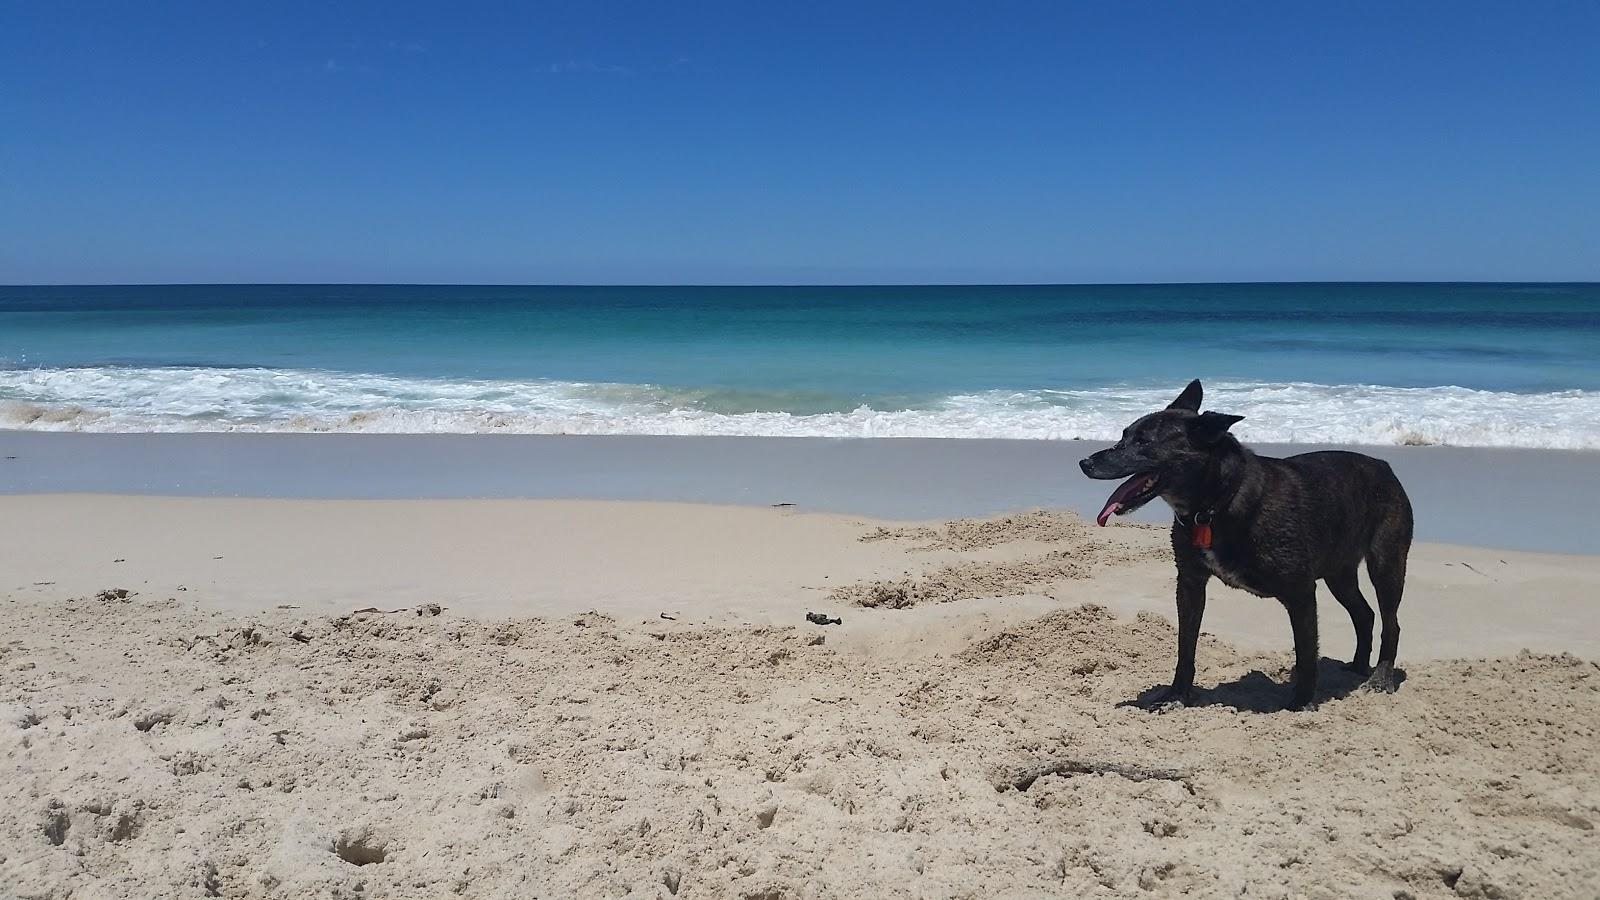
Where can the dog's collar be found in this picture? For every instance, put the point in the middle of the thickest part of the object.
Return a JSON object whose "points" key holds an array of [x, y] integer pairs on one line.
{"points": [[1199, 523], [1199, 526]]}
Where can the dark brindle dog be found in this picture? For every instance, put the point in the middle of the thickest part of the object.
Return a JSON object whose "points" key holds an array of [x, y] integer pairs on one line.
{"points": [[1268, 526]]}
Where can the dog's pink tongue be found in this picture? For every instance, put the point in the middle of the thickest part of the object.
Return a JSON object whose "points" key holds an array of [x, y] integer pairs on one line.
{"points": [[1110, 509], [1114, 502]]}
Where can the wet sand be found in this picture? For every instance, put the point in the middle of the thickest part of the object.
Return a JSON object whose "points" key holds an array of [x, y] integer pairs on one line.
{"points": [[1513, 499]]}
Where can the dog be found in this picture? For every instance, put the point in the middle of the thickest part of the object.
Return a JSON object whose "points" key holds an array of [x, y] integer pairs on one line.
{"points": [[1272, 527]]}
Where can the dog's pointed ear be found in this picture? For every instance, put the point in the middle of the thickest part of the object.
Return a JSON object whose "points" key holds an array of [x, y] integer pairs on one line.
{"points": [[1189, 399], [1209, 427]]}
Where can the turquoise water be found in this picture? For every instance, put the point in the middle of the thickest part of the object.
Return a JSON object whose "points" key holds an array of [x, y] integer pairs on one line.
{"points": [[1370, 363]]}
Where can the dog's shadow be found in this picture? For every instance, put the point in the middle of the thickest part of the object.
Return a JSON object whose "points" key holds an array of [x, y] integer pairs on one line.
{"points": [[1258, 692]]}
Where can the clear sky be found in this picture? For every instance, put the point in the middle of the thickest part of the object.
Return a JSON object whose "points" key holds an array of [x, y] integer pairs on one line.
{"points": [[703, 142]]}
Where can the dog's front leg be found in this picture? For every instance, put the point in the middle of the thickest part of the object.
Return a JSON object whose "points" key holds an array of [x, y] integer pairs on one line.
{"points": [[1302, 607], [1191, 609]]}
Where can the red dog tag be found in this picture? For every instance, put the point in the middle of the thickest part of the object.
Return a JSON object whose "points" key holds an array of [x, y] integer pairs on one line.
{"points": [[1200, 534]]}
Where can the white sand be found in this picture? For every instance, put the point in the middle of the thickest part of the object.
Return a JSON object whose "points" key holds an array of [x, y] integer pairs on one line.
{"points": [[708, 564], [205, 742]]}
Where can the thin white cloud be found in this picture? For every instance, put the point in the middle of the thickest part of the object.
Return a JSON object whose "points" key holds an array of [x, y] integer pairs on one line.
{"points": [[586, 67], [334, 66]]}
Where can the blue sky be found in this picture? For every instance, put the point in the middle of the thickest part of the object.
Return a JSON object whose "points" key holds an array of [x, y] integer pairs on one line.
{"points": [[599, 142]]}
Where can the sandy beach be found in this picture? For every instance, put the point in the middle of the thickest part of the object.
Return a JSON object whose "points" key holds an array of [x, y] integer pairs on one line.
{"points": [[251, 697], [763, 451]]}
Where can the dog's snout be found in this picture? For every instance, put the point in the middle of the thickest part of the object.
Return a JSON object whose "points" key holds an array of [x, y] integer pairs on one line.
{"points": [[1085, 464]]}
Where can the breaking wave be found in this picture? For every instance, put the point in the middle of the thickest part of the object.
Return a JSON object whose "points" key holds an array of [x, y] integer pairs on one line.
{"points": [[167, 399]]}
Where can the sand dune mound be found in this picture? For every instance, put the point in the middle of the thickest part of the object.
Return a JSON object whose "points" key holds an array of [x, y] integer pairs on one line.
{"points": [[1047, 547], [153, 749], [1040, 525], [1046, 526]]}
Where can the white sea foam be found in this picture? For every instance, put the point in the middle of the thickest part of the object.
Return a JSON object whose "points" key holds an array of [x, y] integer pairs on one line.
{"points": [[129, 399]]}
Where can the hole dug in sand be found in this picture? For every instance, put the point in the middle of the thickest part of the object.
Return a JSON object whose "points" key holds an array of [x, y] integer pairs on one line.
{"points": [[361, 847], [150, 718], [56, 824], [766, 815]]}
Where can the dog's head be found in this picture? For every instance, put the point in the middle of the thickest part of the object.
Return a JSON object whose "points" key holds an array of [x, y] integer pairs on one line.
{"points": [[1158, 451]]}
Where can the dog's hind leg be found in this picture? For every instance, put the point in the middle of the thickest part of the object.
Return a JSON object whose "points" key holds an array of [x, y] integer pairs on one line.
{"points": [[1302, 607], [1386, 564], [1346, 589]]}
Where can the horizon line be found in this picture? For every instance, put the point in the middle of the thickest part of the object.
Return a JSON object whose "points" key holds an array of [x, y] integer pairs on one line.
{"points": [[784, 284]]}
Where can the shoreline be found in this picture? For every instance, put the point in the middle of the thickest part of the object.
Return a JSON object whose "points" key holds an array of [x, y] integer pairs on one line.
{"points": [[1517, 499]]}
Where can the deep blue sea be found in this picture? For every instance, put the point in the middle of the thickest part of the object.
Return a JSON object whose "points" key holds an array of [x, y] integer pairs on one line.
{"points": [[1465, 364]]}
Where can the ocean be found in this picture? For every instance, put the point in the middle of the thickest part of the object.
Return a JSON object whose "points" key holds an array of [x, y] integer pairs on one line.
{"points": [[1459, 364]]}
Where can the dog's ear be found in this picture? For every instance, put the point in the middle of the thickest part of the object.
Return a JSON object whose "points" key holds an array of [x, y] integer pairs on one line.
{"points": [[1189, 399], [1209, 427]]}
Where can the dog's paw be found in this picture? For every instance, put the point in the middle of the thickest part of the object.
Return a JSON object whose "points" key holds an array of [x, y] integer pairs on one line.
{"points": [[1170, 698], [1382, 680], [1358, 666]]}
